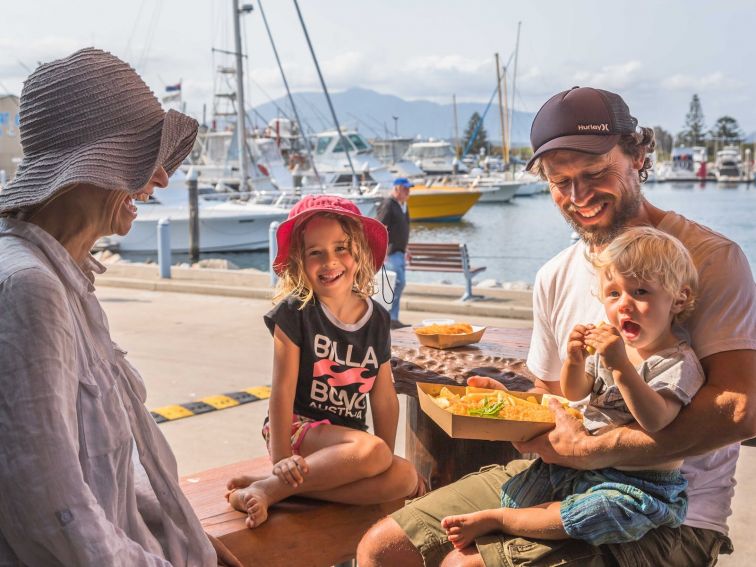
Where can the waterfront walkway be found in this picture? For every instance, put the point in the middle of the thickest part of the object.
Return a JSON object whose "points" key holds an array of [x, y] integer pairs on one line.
{"points": [[189, 346]]}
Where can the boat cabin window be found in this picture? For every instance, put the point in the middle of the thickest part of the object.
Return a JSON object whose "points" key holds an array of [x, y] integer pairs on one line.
{"points": [[323, 143], [359, 142], [340, 146]]}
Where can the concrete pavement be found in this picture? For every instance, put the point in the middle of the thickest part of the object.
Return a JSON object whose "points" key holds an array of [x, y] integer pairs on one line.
{"points": [[188, 346]]}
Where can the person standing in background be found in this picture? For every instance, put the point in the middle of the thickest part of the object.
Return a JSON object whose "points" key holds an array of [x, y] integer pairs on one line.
{"points": [[393, 212]]}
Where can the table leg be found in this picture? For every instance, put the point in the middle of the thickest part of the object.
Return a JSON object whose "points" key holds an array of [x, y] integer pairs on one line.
{"points": [[441, 459]]}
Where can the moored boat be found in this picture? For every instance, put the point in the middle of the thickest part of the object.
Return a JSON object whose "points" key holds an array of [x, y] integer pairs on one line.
{"points": [[441, 203]]}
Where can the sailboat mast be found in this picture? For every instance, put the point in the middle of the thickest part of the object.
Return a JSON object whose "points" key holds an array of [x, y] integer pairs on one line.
{"points": [[514, 78], [291, 98], [343, 140], [241, 131], [502, 126], [457, 149]]}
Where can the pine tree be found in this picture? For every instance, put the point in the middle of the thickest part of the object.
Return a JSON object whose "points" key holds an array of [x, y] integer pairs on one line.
{"points": [[727, 131], [663, 143], [481, 140], [693, 134]]}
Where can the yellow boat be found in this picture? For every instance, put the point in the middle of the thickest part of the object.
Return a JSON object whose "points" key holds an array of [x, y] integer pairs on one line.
{"points": [[441, 203]]}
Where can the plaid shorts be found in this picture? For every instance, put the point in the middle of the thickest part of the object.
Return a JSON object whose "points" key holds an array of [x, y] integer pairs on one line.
{"points": [[602, 506], [300, 425]]}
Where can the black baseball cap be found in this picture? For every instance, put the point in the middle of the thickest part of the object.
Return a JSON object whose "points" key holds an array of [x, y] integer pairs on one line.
{"points": [[581, 119]]}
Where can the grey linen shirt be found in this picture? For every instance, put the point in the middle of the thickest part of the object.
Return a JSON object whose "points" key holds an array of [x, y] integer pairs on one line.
{"points": [[82, 462]]}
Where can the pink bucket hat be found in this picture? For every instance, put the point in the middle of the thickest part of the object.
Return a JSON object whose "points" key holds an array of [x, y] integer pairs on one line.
{"points": [[90, 118], [375, 232]]}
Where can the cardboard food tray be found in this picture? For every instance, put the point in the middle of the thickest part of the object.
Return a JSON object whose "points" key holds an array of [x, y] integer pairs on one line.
{"points": [[472, 427], [451, 341]]}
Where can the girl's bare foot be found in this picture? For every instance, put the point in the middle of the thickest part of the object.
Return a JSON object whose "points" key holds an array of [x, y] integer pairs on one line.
{"points": [[256, 503], [462, 530], [240, 482]]}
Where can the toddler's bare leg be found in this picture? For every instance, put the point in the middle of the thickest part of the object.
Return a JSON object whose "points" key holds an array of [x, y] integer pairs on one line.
{"points": [[542, 522]]}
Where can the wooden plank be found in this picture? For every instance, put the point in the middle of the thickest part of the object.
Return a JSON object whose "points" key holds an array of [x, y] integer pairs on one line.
{"points": [[298, 532]]}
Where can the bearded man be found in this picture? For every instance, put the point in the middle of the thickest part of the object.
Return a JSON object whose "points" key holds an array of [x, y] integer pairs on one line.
{"points": [[591, 151]]}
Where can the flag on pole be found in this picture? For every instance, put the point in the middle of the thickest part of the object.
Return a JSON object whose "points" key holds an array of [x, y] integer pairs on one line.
{"points": [[173, 93]]}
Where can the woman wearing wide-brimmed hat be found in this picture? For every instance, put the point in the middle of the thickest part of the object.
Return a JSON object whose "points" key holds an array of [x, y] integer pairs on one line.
{"points": [[81, 459]]}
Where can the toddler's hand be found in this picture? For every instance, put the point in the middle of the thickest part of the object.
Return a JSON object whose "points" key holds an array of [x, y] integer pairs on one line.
{"points": [[576, 345], [609, 344], [291, 470]]}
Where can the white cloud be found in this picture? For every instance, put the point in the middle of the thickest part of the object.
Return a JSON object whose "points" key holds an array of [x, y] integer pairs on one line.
{"points": [[612, 77], [716, 81]]}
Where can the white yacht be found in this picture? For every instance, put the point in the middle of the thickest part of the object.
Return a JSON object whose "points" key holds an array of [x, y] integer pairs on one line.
{"points": [[390, 152], [230, 225], [333, 166], [434, 158], [273, 182], [728, 166], [495, 188], [531, 184], [687, 164]]}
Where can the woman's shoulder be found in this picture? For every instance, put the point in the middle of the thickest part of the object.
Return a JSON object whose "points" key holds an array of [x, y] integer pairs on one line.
{"points": [[28, 275]]}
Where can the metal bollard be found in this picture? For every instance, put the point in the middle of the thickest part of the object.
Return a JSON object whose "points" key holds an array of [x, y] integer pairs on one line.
{"points": [[164, 247], [273, 250], [194, 236]]}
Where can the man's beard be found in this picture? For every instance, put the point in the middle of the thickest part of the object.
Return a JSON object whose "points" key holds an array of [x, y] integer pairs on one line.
{"points": [[626, 207]]}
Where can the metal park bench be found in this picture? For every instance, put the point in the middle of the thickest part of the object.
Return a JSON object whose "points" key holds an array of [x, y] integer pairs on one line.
{"points": [[299, 531], [431, 257]]}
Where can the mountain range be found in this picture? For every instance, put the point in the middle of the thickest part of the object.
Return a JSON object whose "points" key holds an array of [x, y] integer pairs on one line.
{"points": [[372, 113]]}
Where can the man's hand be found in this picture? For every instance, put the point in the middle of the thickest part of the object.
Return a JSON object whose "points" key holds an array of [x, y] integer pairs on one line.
{"points": [[225, 557], [564, 445], [484, 382]]}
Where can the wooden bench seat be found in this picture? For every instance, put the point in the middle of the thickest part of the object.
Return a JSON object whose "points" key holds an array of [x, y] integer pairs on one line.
{"points": [[299, 532], [435, 257]]}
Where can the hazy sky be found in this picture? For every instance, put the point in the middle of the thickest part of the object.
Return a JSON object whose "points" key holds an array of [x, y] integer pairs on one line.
{"points": [[655, 53]]}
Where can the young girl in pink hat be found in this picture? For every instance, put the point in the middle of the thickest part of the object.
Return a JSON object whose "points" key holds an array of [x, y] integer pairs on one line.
{"points": [[331, 353]]}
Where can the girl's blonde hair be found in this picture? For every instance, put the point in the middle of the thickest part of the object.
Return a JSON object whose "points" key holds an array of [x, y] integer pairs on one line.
{"points": [[293, 280], [651, 255]]}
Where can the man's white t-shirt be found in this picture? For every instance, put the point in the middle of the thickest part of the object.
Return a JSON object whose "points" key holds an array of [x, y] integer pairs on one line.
{"points": [[566, 294]]}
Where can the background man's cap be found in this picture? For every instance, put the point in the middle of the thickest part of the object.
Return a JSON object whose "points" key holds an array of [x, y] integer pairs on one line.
{"points": [[403, 182], [581, 119]]}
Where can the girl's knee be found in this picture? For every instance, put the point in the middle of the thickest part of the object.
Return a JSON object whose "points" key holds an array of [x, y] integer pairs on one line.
{"points": [[400, 480], [373, 455]]}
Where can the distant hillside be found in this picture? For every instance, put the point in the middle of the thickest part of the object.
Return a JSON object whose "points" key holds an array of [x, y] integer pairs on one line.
{"points": [[372, 114]]}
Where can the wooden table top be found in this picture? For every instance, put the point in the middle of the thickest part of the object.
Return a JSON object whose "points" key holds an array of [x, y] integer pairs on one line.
{"points": [[500, 355]]}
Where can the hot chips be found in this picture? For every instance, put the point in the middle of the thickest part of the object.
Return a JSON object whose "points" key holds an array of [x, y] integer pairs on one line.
{"points": [[453, 329], [499, 404]]}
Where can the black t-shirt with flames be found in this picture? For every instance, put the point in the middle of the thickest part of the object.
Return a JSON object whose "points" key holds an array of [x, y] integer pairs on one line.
{"points": [[337, 367]]}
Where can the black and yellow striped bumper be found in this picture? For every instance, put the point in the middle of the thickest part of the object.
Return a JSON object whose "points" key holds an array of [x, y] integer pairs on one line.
{"points": [[210, 403]]}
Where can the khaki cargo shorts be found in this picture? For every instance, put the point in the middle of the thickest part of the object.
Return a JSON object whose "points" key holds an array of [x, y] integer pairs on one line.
{"points": [[421, 521]]}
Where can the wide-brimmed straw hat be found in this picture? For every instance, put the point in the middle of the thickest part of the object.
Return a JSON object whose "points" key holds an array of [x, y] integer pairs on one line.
{"points": [[375, 232], [90, 118]]}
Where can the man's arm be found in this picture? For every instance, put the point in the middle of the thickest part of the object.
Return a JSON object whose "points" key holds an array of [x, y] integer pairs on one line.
{"points": [[722, 412]]}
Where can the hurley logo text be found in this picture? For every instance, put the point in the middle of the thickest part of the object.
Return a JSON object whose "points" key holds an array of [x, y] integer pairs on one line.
{"points": [[595, 127]]}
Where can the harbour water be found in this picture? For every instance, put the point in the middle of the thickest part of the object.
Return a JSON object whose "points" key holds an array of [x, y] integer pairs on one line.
{"points": [[514, 239]]}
